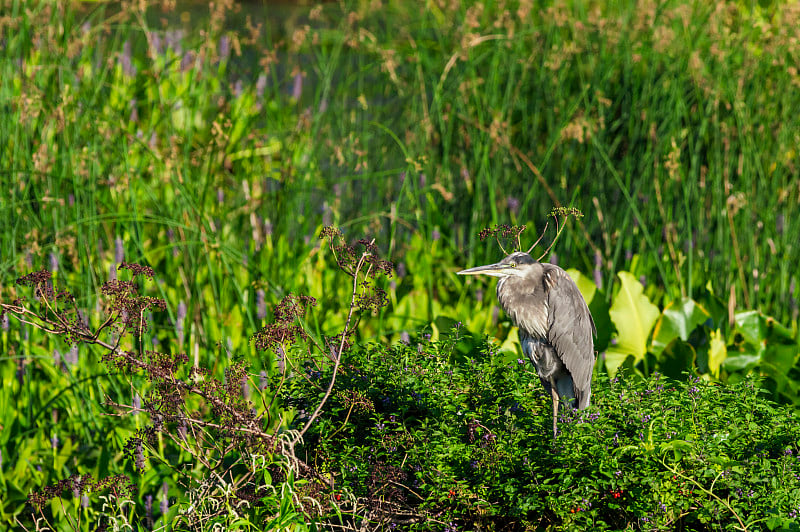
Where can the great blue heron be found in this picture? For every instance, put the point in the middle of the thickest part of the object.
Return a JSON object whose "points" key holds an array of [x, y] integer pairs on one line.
{"points": [[556, 328]]}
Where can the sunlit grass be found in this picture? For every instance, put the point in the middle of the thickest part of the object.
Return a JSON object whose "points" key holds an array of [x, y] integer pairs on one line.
{"points": [[213, 147], [673, 129]]}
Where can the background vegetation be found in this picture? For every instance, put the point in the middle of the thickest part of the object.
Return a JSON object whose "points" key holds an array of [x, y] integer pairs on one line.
{"points": [[213, 143]]}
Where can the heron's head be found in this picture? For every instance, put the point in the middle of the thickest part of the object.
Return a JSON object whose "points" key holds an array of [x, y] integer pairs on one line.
{"points": [[517, 264]]}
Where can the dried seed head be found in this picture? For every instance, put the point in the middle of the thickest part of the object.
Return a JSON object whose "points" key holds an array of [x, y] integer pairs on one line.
{"points": [[35, 278], [137, 269]]}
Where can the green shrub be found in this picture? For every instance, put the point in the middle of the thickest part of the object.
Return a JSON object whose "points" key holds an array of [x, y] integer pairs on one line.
{"points": [[424, 434]]}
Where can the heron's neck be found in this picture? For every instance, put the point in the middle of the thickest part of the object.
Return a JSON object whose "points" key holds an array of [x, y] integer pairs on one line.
{"points": [[506, 288]]}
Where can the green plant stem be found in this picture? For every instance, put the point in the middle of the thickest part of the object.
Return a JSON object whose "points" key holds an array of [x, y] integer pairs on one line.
{"points": [[707, 492]]}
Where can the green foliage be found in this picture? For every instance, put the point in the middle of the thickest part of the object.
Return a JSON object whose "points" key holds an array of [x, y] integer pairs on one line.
{"points": [[176, 132], [633, 316], [677, 320], [465, 442], [214, 145]]}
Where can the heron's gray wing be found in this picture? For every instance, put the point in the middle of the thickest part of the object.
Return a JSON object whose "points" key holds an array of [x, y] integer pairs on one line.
{"points": [[570, 329]]}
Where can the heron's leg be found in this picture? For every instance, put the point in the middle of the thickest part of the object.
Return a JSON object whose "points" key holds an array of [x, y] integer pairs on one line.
{"points": [[556, 403]]}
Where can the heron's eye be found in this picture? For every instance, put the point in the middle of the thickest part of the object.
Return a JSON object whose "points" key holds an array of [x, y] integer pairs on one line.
{"points": [[513, 264]]}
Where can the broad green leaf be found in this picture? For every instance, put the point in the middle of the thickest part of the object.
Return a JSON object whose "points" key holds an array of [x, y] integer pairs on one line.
{"points": [[614, 359], [597, 306], [780, 523], [778, 331], [633, 316], [678, 320], [717, 352], [585, 285], [744, 360], [777, 361], [678, 448], [750, 324]]}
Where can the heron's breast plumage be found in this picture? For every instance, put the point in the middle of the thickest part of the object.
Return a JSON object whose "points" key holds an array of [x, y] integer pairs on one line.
{"points": [[527, 309]]}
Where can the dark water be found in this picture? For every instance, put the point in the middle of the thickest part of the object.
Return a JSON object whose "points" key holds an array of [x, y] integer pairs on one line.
{"points": [[277, 18]]}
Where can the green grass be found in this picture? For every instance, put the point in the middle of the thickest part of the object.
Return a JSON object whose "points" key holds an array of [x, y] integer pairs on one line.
{"points": [[675, 138], [215, 153]]}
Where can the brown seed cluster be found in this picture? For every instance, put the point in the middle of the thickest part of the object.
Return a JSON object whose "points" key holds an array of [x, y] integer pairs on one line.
{"points": [[57, 308], [42, 281], [284, 329], [35, 278], [372, 298], [348, 256], [292, 307], [502, 230], [137, 269], [119, 485], [131, 307]]}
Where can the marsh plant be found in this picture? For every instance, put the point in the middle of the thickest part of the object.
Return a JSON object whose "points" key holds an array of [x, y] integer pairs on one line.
{"points": [[427, 436], [513, 233], [226, 442], [214, 144], [474, 114]]}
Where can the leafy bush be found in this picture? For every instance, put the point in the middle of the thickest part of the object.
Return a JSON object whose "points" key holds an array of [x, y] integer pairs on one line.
{"points": [[424, 435], [232, 456], [214, 139]]}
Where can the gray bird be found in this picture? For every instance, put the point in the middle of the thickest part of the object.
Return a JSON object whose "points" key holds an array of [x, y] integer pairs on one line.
{"points": [[556, 328]]}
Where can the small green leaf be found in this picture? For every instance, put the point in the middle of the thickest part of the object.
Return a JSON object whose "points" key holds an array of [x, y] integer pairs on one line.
{"points": [[678, 448], [742, 360]]}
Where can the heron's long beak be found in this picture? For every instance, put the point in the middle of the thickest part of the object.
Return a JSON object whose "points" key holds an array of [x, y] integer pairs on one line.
{"points": [[495, 270]]}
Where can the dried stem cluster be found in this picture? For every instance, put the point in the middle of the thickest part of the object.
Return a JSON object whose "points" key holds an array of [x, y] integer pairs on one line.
{"points": [[212, 420], [514, 232]]}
